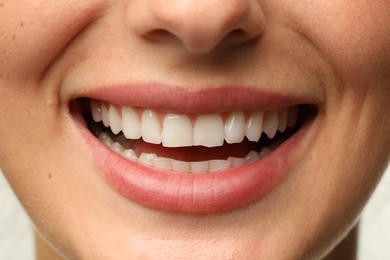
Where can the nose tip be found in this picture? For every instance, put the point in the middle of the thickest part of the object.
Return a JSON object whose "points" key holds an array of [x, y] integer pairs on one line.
{"points": [[201, 25]]}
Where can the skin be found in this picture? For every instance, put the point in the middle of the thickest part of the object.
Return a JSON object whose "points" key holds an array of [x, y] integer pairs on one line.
{"points": [[335, 52]]}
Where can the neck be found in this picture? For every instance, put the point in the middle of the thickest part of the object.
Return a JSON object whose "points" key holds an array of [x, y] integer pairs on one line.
{"points": [[347, 248]]}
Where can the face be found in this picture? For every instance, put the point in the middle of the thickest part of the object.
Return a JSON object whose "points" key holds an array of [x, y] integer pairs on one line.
{"points": [[188, 85]]}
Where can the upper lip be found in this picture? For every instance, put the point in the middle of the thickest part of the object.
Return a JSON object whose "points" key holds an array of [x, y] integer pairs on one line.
{"points": [[182, 100]]}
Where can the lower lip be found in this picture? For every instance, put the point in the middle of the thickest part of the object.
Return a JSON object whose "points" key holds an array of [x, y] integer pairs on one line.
{"points": [[196, 193]]}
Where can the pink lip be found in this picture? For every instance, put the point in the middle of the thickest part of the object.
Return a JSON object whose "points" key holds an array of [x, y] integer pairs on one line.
{"points": [[189, 193]]}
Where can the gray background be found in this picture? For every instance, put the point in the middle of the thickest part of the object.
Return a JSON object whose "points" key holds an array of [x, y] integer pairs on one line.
{"points": [[16, 238]]}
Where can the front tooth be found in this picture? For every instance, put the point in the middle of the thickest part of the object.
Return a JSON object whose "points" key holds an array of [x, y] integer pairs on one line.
{"points": [[218, 165], [114, 119], [270, 125], [105, 117], [131, 125], [177, 131], [254, 126], [282, 118], [235, 128], [200, 167], [150, 127], [96, 111], [209, 131]]}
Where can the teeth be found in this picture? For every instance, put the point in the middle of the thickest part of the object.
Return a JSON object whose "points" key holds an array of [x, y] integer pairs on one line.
{"points": [[209, 131], [105, 117], [177, 131], [115, 120], [131, 125], [270, 124], [150, 127], [173, 130], [254, 126], [168, 164], [235, 128], [96, 111]]}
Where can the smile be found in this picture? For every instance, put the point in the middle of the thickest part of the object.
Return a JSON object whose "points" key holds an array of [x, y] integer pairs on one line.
{"points": [[193, 162]]}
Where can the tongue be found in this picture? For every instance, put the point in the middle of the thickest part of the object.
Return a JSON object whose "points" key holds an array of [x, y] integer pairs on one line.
{"points": [[196, 153]]}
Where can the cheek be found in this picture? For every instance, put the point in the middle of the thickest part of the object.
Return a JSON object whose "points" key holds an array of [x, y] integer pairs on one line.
{"points": [[353, 36]]}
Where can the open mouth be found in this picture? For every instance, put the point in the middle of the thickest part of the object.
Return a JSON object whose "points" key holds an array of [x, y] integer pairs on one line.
{"points": [[199, 162], [190, 143]]}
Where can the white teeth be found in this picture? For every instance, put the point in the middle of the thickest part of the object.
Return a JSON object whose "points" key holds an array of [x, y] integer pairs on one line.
{"points": [[235, 128], [209, 131], [180, 166], [115, 120], [199, 167], [174, 130], [234, 161], [177, 131], [131, 124], [96, 111], [162, 163], [252, 157], [254, 126], [168, 164], [147, 159], [219, 165], [105, 117], [150, 127], [270, 124]]}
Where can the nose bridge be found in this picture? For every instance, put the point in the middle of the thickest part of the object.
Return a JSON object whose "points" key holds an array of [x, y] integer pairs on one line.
{"points": [[202, 24]]}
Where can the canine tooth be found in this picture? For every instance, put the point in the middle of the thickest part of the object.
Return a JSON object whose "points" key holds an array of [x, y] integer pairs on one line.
{"points": [[235, 128], [150, 127], [96, 111], [218, 165], [131, 124], [162, 163], [115, 120], [147, 158], [200, 167], [252, 157], [265, 152], [234, 161], [177, 131], [254, 126], [292, 116], [270, 125], [181, 166], [105, 118], [209, 131], [282, 117], [117, 147], [130, 154]]}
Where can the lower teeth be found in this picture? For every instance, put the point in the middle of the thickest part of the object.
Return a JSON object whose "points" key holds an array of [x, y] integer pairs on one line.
{"points": [[168, 164]]}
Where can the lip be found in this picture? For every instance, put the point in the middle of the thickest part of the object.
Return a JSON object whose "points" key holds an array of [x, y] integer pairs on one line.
{"points": [[194, 193]]}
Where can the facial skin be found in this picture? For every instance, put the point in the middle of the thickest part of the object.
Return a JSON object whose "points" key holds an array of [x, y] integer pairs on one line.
{"points": [[336, 54]]}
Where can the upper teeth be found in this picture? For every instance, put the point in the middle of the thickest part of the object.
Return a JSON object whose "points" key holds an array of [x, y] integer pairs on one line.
{"points": [[174, 130]]}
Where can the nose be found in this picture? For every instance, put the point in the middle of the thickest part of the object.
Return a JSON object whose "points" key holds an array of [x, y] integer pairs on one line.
{"points": [[200, 25]]}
